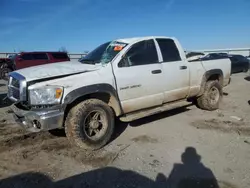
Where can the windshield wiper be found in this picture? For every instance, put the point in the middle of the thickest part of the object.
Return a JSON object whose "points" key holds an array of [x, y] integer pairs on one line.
{"points": [[89, 61]]}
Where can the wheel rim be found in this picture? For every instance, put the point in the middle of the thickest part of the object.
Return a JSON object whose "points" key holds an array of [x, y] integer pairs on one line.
{"points": [[214, 95], [95, 125]]}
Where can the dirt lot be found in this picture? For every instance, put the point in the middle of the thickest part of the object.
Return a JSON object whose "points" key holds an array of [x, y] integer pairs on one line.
{"points": [[186, 147]]}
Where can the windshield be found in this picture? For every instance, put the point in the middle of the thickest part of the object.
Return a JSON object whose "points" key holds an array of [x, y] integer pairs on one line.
{"points": [[104, 53], [12, 56]]}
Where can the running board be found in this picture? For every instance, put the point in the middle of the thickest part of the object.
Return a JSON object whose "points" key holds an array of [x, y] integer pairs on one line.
{"points": [[148, 112]]}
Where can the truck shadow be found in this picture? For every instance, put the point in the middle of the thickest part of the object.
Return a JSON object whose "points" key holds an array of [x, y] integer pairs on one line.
{"points": [[122, 126], [159, 116], [191, 173], [108, 177]]}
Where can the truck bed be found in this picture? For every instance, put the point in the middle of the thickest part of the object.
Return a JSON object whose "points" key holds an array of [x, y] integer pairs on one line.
{"points": [[223, 64]]}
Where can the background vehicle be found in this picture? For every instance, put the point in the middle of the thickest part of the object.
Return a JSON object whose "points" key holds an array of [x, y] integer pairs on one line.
{"points": [[126, 78], [248, 57], [214, 56], [29, 59], [5, 67], [191, 56], [239, 63]]}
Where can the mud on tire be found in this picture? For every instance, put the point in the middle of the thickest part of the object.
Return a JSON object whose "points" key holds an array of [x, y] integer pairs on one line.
{"points": [[211, 97], [90, 124]]}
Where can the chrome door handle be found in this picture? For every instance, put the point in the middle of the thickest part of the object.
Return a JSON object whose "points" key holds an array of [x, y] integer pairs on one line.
{"points": [[183, 67], [156, 71]]}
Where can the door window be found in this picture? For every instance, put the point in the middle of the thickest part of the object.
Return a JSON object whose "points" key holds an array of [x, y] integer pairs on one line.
{"points": [[141, 53], [169, 50], [40, 56], [27, 57]]}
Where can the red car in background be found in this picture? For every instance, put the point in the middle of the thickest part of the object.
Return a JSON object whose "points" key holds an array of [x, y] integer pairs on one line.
{"points": [[29, 59]]}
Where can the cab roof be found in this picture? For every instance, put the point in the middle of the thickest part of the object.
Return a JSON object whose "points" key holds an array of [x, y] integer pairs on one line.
{"points": [[137, 39]]}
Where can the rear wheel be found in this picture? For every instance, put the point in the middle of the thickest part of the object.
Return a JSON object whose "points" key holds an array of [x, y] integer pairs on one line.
{"points": [[90, 124], [211, 97], [4, 72]]}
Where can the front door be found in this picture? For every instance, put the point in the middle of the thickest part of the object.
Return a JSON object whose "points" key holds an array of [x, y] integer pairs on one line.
{"points": [[139, 77], [176, 71], [23, 61]]}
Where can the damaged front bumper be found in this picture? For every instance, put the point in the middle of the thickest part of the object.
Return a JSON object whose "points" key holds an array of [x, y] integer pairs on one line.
{"points": [[39, 120]]}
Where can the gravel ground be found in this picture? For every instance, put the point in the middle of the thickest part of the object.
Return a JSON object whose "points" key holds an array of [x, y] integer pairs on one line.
{"points": [[186, 147]]}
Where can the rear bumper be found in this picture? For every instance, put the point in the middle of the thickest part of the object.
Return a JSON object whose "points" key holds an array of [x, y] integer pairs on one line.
{"points": [[35, 121]]}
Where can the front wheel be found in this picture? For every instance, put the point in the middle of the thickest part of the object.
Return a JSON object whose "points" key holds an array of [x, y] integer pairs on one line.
{"points": [[211, 97], [90, 124]]}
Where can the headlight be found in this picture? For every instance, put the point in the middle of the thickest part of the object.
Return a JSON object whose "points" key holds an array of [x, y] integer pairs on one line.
{"points": [[46, 95]]}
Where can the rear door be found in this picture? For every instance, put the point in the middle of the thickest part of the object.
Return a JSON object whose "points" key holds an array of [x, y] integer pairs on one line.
{"points": [[40, 59], [139, 77], [176, 71]]}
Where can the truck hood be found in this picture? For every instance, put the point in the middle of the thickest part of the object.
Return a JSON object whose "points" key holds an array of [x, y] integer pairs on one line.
{"points": [[56, 69]]}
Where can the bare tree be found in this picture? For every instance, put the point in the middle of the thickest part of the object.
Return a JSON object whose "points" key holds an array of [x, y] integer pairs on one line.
{"points": [[63, 49]]}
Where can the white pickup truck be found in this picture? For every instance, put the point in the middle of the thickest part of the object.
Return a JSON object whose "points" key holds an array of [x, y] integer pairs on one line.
{"points": [[126, 78]]}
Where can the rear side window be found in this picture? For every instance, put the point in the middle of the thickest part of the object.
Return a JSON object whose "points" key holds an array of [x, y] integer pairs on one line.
{"points": [[59, 56], [40, 56], [141, 53], [27, 57], [169, 50]]}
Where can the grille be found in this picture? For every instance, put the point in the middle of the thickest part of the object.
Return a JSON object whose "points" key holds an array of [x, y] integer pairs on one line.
{"points": [[14, 93], [17, 87], [15, 82]]}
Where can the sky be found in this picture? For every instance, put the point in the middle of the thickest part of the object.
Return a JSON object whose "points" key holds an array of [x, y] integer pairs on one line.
{"points": [[82, 25]]}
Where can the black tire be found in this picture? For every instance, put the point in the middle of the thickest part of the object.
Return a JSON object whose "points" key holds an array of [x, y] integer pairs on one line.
{"points": [[4, 73], [211, 97], [80, 125]]}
